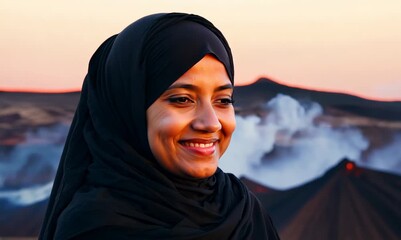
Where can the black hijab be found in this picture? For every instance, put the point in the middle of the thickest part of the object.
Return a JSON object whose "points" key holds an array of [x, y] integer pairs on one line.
{"points": [[108, 184]]}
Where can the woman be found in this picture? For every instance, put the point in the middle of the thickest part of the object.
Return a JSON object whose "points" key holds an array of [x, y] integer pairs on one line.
{"points": [[140, 161]]}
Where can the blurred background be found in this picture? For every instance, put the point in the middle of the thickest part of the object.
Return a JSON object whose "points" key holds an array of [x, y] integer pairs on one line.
{"points": [[318, 105]]}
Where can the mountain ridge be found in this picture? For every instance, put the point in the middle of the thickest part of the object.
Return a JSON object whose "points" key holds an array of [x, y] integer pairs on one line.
{"points": [[255, 95]]}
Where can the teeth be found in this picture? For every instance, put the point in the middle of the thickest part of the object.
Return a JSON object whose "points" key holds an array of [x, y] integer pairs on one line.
{"points": [[198, 145]]}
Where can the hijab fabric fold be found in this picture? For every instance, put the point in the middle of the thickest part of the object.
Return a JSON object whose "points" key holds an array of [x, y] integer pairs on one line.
{"points": [[108, 184]]}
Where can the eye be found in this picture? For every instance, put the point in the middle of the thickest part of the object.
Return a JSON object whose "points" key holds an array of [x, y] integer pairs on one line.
{"points": [[226, 101], [180, 100]]}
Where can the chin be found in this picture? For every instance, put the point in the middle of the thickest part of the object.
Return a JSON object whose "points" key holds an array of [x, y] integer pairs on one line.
{"points": [[202, 173]]}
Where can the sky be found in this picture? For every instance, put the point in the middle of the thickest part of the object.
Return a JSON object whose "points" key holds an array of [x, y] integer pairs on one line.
{"points": [[350, 46]]}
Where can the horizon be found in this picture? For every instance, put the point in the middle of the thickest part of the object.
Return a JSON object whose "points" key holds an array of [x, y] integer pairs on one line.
{"points": [[78, 90]]}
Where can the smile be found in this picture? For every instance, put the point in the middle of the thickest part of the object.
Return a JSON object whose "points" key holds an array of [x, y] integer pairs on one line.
{"points": [[198, 145]]}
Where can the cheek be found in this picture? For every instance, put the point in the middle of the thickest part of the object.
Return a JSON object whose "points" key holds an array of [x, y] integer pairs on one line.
{"points": [[228, 122], [163, 126], [168, 128]]}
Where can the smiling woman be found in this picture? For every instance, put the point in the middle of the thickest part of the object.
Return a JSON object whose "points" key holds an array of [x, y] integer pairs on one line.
{"points": [[154, 118]]}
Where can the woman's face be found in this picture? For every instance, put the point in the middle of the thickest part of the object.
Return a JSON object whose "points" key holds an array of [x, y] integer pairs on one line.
{"points": [[191, 123]]}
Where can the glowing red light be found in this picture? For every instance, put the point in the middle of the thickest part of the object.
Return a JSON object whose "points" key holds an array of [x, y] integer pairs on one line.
{"points": [[349, 166]]}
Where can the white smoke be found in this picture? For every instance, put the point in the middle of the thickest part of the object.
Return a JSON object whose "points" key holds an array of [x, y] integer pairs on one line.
{"points": [[27, 169], [28, 195], [288, 147], [386, 158]]}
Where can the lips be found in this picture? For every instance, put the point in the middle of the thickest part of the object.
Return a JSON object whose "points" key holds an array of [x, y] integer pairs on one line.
{"points": [[200, 146], [197, 145]]}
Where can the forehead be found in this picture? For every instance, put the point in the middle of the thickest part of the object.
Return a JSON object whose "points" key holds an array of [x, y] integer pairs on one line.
{"points": [[208, 62]]}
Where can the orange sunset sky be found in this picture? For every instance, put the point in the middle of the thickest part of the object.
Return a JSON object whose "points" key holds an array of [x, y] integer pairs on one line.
{"points": [[351, 46]]}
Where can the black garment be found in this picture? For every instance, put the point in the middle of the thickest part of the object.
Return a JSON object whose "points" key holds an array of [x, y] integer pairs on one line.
{"points": [[108, 185]]}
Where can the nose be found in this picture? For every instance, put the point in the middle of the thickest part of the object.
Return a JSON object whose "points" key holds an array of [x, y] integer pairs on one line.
{"points": [[206, 119]]}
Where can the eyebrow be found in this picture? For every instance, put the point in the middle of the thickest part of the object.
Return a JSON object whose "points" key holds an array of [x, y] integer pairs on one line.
{"points": [[196, 88]]}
